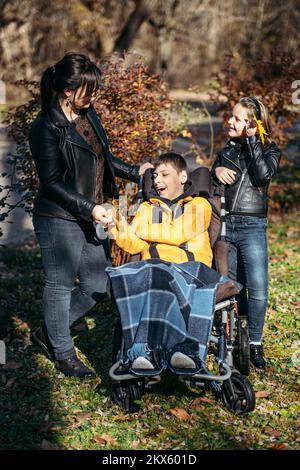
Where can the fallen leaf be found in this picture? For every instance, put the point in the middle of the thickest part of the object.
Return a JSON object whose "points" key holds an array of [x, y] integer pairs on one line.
{"points": [[262, 394], [121, 418], [180, 413], [47, 445], [272, 432], [10, 383], [12, 365], [278, 447], [84, 415], [197, 402], [45, 426], [105, 439]]}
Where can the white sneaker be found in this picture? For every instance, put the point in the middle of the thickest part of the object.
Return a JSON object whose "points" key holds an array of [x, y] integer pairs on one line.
{"points": [[142, 363], [182, 361]]}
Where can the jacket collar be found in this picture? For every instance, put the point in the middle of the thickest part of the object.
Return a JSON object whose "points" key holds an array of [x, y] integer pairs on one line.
{"points": [[59, 119], [185, 197]]}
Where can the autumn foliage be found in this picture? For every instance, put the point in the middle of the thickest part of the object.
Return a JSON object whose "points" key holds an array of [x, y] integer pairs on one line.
{"points": [[130, 103]]}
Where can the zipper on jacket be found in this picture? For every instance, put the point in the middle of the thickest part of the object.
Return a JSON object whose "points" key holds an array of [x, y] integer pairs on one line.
{"points": [[252, 157], [238, 190], [228, 159]]}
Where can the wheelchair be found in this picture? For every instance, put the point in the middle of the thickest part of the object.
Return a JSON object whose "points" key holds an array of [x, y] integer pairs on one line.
{"points": [[229, 339]]}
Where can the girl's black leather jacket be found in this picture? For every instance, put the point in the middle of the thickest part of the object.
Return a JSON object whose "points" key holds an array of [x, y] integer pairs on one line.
{"points": [[67, 165], [255, 165]]}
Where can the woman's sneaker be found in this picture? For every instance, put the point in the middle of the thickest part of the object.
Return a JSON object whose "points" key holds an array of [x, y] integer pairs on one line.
{"points": [[74, 367], [40, 337]]}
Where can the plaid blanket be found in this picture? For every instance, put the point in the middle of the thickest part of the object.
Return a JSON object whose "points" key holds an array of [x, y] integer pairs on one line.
{"points": [[163, 304]]}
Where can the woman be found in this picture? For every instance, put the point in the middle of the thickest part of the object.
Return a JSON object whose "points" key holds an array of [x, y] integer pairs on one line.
{"points": [[76, 169]]}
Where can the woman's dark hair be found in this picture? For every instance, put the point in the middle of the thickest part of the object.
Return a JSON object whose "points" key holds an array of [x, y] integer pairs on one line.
{"points": [[71, 72]]}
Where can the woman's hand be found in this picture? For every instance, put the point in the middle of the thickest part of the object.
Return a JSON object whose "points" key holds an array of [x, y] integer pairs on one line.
{"points": [[145, 167], [225, 175], [100, 215]]}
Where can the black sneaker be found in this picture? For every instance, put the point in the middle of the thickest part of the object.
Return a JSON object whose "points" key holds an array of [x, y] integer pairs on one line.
{"points": [[40, 337], [257, 356], [74, 367]]}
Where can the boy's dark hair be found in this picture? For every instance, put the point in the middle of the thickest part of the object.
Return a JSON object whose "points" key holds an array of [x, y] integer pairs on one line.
{"points": [[176, 160]]}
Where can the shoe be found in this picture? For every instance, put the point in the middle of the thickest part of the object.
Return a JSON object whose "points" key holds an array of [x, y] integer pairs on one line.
{"points": [[151, 365], [142, 363], [74, 367], [257, 356], [182, 361], [40, 337]]}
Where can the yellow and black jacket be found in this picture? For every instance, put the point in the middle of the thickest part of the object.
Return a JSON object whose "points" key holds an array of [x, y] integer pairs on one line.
{"points": [[175, 231]]}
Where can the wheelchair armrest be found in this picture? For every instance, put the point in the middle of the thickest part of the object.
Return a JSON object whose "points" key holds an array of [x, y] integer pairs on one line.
{"points": [[226, 290]]}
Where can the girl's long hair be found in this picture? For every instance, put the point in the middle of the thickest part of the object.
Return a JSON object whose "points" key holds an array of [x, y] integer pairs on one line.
{"points": [[71, 72], [263, 115]]}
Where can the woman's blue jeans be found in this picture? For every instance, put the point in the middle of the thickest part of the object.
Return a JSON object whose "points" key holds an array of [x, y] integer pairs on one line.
{"points": [[248, 264], [69, 249]]}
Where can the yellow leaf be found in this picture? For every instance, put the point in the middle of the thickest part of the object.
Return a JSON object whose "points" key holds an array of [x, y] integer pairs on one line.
{"points": [[180, 413]]}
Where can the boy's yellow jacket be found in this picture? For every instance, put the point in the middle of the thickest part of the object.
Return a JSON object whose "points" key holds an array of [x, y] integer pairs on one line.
{"points": [[175, 232]]}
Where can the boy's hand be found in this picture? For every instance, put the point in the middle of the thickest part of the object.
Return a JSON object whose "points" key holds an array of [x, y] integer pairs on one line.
{"points": [[225, 175]]}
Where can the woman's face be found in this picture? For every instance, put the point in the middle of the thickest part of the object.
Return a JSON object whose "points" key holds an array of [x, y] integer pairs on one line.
{"points": [[80, 98]]}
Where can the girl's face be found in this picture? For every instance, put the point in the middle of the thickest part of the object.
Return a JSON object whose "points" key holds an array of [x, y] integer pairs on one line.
{"points": [[239, 121]]}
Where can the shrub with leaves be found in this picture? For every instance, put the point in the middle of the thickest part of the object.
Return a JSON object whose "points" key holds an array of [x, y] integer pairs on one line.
{"points": [[270, 80], [130, 104]]}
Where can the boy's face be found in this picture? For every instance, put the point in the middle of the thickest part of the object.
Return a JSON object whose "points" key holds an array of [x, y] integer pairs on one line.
{"points": [[168, 183]]}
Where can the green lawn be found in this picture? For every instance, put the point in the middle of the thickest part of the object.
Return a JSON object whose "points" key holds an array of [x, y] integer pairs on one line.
{"points": [[41, 408]]}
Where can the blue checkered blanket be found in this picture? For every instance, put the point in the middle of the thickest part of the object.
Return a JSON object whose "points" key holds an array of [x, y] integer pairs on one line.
{"points": [[163, 304]]}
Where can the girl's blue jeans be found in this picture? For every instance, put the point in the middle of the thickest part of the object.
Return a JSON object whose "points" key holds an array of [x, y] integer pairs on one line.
{"points": [[248, 264], [69, 249]]}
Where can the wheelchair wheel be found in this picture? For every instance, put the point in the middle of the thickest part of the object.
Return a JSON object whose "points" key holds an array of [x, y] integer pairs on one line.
{"points": [[241, 352], [125, 395], [237, 394]]}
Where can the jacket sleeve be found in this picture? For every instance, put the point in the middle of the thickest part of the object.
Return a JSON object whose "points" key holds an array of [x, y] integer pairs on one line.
{"points": [[125, 234], [216, 164], [265, 160], [44, 145], [124, 170]]}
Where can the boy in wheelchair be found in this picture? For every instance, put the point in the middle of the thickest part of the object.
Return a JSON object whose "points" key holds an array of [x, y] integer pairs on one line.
{"points": [[166, 301]]}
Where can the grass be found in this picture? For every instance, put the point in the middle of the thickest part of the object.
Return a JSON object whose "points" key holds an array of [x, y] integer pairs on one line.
{"points": [[40, 408]]}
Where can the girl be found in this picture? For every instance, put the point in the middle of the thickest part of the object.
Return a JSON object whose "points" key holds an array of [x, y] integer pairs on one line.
{"points": [[75, 168], [246, 166]]}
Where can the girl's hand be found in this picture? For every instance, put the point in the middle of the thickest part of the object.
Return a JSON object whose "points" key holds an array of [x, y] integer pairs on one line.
{"points": [[100, 215], [145, 167], [249, 130], [225, 175]]}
